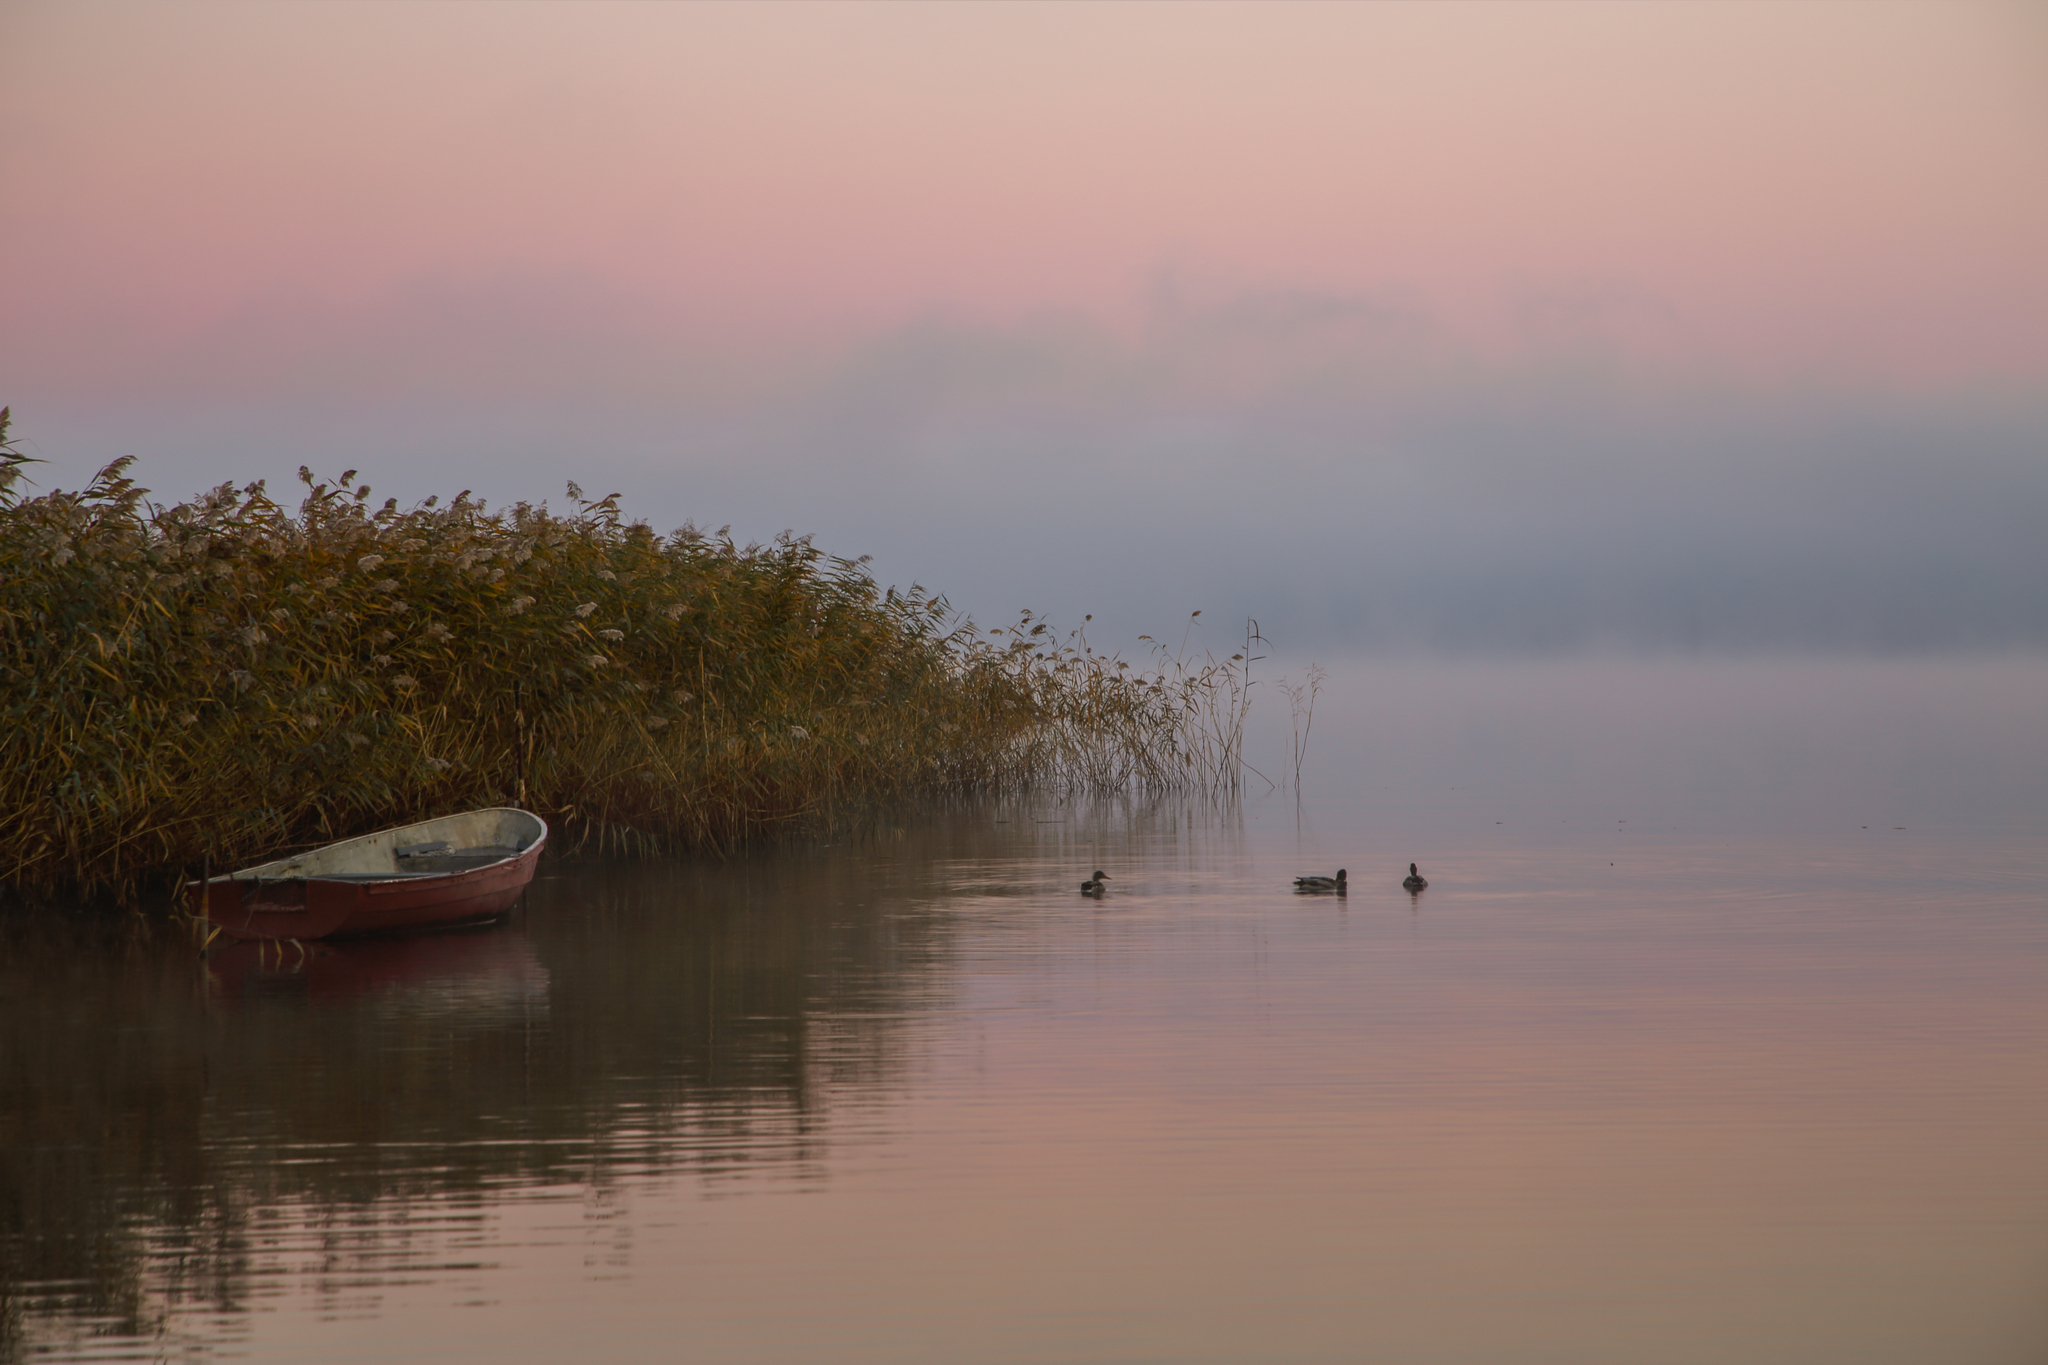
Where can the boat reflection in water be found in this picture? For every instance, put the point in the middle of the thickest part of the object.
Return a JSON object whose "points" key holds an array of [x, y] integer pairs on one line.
{"points": [[480, 969]]}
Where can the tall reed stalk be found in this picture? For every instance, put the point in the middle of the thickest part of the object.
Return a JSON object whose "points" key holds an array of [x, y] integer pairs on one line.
{"points": [[222, 678], [1301, 711]]}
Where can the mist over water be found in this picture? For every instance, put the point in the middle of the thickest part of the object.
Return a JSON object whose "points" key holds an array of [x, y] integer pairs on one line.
{"points": [[1799, 750]]}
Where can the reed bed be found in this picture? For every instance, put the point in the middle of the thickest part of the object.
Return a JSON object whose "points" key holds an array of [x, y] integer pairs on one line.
{"points": [[224, 679], [1101, 726]]}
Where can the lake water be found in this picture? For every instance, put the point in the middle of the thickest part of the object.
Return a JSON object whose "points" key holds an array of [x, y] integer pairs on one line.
{"points": [[1720, 1034]]}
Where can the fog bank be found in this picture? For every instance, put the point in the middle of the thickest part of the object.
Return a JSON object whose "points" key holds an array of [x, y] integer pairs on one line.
{"points": [[1331, 466]]}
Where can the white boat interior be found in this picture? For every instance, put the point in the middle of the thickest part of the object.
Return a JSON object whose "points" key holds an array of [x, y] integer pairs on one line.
{"points": [[451, 843]]}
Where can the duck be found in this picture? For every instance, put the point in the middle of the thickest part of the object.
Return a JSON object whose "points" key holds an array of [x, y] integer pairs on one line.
{"points": [[1335, 883], [1094, 885], [1414, 881]]}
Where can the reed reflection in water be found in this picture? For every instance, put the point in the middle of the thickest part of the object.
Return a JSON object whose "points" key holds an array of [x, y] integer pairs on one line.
{"points": [[181, 1140]]}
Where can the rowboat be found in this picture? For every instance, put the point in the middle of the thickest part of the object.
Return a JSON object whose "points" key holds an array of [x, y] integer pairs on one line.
{"points": [[457, 869]]}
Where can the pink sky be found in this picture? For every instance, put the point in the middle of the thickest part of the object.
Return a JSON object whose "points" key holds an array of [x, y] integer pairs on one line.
{"points": [[210, 196], [1462, 325]]}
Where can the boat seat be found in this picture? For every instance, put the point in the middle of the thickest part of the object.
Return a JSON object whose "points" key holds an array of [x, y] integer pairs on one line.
{"points": [[458, 860]]}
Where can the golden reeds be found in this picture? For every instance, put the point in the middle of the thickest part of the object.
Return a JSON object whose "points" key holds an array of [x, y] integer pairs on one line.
{"points": [[222, 679]]}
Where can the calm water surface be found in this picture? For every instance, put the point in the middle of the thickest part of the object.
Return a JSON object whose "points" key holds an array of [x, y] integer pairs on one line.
{"points": [[1721, 1034]]}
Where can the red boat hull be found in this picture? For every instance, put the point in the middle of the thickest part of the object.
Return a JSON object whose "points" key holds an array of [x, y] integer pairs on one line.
{"points": [[317, 907]]}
